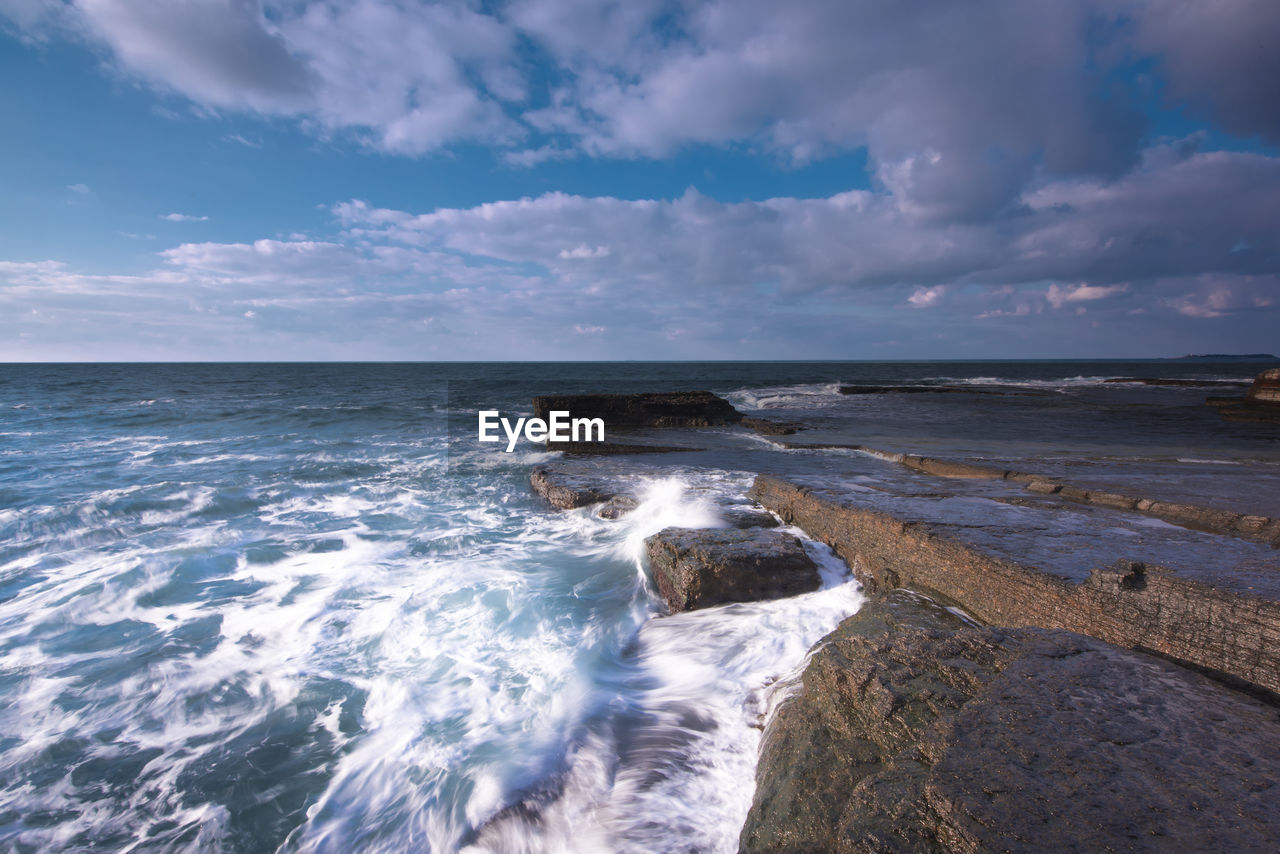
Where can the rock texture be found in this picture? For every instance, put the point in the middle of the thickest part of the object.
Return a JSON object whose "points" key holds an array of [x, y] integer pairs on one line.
{"points": [[1260, 403], [912, 731], [698, 568], [567, 489], [655, 409], [1194, 516], [1129, 604], [1266, 387], [770, 427]]}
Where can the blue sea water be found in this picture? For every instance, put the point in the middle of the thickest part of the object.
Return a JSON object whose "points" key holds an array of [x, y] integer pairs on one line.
{"points": [[297, 607]]}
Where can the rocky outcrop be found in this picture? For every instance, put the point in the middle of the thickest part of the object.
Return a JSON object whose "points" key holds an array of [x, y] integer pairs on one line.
{"points": [[1175, 383], [912, 731], [1261, 403], [655, 409], [698, 568], [568, 489], [1197, 517], [769, 427], [1266, 387], [1221, 628]]}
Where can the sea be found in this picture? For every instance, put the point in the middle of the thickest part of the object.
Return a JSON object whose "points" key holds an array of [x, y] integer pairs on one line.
{"points": [[299, 607]]}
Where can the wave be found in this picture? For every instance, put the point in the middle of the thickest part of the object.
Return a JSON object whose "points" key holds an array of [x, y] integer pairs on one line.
{"points": [[805, 395]]}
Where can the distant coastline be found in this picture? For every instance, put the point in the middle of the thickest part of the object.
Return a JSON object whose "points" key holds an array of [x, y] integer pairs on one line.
{"points": [[1227, 357]]}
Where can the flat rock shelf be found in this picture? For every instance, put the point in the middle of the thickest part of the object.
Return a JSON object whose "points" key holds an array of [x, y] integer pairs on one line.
{"points": [[1041, 665]]}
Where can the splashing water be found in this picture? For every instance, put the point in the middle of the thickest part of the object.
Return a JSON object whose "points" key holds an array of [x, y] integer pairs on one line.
{"points": [[293, 626]]}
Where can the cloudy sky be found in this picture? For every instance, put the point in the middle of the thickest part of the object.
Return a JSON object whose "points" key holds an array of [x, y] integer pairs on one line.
{"points": [[875, 179]]}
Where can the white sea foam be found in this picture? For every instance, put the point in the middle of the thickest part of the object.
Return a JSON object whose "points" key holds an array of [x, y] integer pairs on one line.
{"points": [[806, 395]]}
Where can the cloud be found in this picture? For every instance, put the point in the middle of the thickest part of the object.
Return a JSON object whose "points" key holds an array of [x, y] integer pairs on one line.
{"points": [[1169, 218], [179, 217], [1059, 296], [82, 189], [222, 53], [925, 297], [1223, 295], [1154, 252], [1218, 58], [583, 251], [926, 89]]}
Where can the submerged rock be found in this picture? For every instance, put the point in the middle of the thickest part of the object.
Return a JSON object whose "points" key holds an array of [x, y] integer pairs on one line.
{"points": [[770, 427], [698, 568], [914, 731], [651, 409]]}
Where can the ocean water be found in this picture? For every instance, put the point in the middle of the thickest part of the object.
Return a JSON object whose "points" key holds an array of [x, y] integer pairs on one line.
{"points": [[299, 608]]}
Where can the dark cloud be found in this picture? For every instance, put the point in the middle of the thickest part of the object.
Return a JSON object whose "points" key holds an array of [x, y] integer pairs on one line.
{"points": [[1220, 58]]}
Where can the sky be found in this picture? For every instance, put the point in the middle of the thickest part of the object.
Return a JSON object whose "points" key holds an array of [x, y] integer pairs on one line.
{"points": [[580, 179]]}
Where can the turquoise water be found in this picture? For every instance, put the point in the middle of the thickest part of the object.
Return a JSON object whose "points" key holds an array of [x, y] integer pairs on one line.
{"points": [[297, 607]]}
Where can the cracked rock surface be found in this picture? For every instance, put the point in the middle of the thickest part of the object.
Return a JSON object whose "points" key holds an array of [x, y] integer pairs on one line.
{"points": [[916, 731]]}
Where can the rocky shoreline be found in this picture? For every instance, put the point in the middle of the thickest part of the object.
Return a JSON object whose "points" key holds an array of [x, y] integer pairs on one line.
{"points": [[980, 702]]}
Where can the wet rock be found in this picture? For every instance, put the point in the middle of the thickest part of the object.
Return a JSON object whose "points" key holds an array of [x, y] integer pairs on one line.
{"points": [[951, 468], [617, 507], [567, 489], [769, 427], [1175, 383], [913, 731], [698, 568], [1266, 387], [1261, 403], [1225, 620], [654, 409], [749, 517]]}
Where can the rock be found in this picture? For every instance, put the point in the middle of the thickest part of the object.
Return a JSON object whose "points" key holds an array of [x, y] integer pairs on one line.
{"points": [[749, 517], [1161, 381], [655, 409], [1266, 387], [914, 732], [1261, 403], [1225, 621], [769, 427], [567, 489], [698, 568], [617, 507], [949, 468]]}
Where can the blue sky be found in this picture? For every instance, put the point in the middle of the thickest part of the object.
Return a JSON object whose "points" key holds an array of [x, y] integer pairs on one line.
{"points": [[369, 179]]}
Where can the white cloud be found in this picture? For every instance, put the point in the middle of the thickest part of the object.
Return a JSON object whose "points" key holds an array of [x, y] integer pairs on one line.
{"points": [[1060, 296], [783, 277], [82, 189], [926, 297], [582, 250], [180, 217], [928, 89]]}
